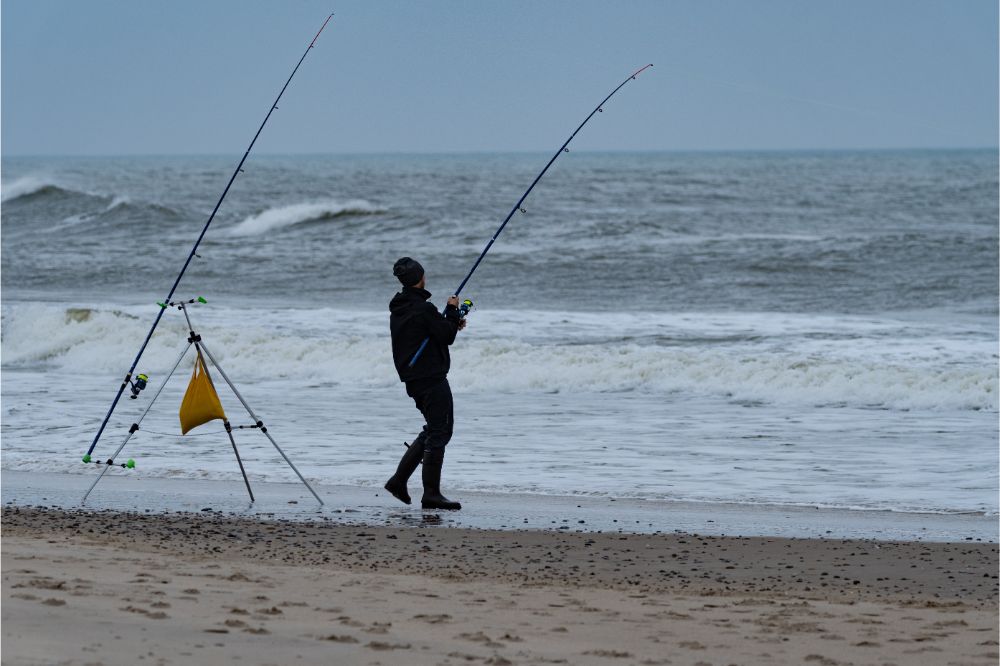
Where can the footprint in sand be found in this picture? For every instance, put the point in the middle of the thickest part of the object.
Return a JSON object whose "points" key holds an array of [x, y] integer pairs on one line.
{"points": [[674, 615], [152, 615], [379, 645], [335, 638], [479, 637], [240, 578], [54, 602], [821, 660], [440, 618], [273, 610], [379, 628], [612, 654], [44, 583]]}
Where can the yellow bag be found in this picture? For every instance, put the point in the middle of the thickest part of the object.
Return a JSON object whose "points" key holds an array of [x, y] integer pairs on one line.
{"points": [[201, 403]]}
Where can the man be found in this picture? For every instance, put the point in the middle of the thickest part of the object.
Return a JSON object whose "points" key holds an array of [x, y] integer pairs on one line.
{"points": [[412, 320]]}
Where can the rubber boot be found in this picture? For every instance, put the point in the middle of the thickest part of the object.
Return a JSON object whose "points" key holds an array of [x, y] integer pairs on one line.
{"points": [[407, 465], [433, 499]]}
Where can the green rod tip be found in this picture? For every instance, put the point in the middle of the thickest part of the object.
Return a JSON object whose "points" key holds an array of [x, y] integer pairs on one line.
{"points": [[86, 458]]}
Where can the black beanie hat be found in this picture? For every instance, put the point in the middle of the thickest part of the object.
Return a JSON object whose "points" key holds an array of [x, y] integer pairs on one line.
{"points": [[408, 271]]}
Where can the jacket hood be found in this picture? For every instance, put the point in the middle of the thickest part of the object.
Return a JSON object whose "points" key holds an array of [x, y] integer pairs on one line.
{"points": [[407, 297]]}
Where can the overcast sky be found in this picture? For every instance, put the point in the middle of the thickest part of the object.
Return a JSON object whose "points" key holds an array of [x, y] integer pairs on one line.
{"points": [[128, 77]]}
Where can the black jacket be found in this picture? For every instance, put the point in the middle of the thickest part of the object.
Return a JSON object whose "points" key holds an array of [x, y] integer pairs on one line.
{"points": [[412, 320]]}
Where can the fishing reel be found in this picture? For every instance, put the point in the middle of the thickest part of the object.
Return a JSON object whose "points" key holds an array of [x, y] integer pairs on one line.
{"points": [[138, 385], [464, 308]]}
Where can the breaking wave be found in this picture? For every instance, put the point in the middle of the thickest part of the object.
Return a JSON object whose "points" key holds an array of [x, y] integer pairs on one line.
{"points": [[287, 216], [351, 348], [30, 186]]}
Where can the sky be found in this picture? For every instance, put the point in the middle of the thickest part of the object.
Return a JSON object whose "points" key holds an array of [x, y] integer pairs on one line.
{"points": [[119, 77]]}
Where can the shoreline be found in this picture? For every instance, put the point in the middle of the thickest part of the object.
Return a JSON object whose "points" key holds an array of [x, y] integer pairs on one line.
{"points": [[84, 586], [373, 506]]}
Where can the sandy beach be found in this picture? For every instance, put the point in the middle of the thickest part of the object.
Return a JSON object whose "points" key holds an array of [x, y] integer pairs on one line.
{"points": [[692, 306], [124, 588]]}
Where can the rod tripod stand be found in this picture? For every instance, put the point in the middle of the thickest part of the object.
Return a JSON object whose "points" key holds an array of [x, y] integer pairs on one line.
{"points": [[195, 340]]}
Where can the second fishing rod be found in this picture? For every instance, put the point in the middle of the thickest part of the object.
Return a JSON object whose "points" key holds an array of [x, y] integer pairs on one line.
{"points": [[140, 382], [564, 148]]}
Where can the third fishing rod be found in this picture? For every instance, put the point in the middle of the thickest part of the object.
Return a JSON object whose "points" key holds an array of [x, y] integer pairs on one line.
{"points": [[518, 206]]}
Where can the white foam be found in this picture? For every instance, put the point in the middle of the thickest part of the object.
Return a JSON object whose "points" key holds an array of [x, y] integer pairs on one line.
{"points": [[23, 187], [286, 216], [116, 202], [352, 348]]}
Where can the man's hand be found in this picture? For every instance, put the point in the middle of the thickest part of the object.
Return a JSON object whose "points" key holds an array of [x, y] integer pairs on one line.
{"points": [[453, 301], [461, 324]]}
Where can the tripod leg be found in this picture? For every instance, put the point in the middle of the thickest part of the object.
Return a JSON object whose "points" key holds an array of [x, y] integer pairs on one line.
{"points": [[135, 426], [229, 431], [260, 423], [229, 427], [263, 429], [103, 470]]}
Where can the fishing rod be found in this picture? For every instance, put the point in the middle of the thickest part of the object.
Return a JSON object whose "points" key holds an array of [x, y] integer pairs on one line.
{"points": [[239, 169], [518, 206]]}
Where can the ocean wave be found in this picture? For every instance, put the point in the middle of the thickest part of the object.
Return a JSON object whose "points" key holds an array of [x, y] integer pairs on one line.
{"points": [[355, 351], [287, 216], [31, 186], [124, 205], [116, 203], [119, 209]]}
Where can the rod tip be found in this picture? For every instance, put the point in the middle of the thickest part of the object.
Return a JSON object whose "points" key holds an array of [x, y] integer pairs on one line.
{"points": [[641, 70]]}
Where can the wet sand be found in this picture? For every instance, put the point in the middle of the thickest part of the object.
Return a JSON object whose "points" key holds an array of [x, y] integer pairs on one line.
{"points": [[205, 588], [137, 492]]}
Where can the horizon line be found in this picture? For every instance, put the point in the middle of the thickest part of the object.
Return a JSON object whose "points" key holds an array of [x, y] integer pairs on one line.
{"points": [[679, 151]]}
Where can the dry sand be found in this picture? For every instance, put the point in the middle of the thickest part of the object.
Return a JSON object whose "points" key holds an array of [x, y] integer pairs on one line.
{"points": [[115, 588]]}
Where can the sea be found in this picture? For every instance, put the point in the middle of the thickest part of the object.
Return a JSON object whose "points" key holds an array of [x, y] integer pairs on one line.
{"points": [[767, 328]]}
